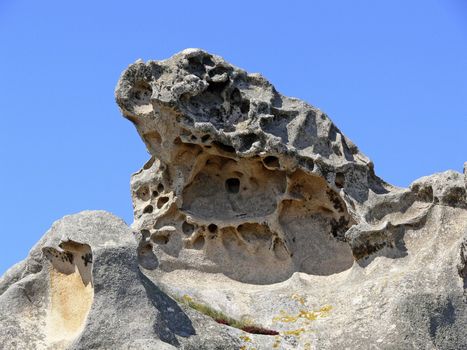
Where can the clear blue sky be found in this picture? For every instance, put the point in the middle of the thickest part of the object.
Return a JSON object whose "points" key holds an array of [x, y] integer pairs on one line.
{"points": [[391, 74]]}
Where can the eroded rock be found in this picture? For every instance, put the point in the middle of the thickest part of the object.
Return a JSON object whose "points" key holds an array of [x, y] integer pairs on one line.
{"points": [[253, 184], [253, 212], [246, 183], [87, 292]]}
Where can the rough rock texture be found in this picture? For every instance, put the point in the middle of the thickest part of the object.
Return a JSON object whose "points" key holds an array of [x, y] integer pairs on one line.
{"points": [[256, 205], [47, 303]]}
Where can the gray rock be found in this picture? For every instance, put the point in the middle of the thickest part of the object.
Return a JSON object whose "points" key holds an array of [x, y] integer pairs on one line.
{"points": [[254, 209], [118, 308], [446, 188], [247, 185]]}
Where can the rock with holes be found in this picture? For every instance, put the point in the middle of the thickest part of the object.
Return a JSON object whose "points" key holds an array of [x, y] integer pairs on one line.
{"points": [[80, 288], [258, 225], [258, 205], [240, 174]]}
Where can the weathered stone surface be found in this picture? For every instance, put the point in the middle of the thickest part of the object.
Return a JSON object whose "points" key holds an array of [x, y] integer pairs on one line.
{"points": [[247, 185], [116, 308], [255, 205], [240, 174]]}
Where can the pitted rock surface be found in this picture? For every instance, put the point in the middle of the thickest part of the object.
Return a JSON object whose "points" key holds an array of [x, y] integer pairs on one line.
{"points": [[241, 175], [252, 207]]}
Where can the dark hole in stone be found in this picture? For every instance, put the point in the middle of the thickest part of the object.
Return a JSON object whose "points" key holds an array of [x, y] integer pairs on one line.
{"points": [[146, 247], [160, 188], [340, 180], [187, 228], [235, 96], [219, 70], [217, 87], [307, 163], [161, 201], [247, 141], [245, 106], [155, 194], [193, 137], [232, 185], [205, 138], [271, 161], [143, 193], [141, 91], [196, 66], [145, 234], [207, 61], [161, 239], [148, 209], [212, 228], [224, 147], [338, 228]]}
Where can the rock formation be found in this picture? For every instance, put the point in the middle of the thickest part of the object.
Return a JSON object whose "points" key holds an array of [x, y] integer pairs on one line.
{"points": [[254, 212]]}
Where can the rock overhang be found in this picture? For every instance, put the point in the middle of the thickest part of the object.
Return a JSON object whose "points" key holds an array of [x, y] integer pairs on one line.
{"points": [[252, 190], [239, 174]]}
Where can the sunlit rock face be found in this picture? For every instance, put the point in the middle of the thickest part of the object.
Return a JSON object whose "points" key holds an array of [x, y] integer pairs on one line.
{"points": [[247, 187], [242, 180], [258, 225]]}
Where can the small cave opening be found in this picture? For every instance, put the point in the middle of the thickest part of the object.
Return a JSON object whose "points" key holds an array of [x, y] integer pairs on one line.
{"points": [[212, 228], [143, 193], [232, 185], [161, 201], [224, 147], [340, 180], [145, 234], [245, 106], [148, 209], [205, 138], [161, 239], [187, 228], [225, 188], [141, 92], [271, 162]]}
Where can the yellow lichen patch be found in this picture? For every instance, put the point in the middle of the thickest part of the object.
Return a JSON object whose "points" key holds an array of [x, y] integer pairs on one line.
{"points": [[283, 317], [325, 310], [307, 346], [187, 298], [245, 338], [304, 315], [298, 298], [70, 302], [294, 332]]}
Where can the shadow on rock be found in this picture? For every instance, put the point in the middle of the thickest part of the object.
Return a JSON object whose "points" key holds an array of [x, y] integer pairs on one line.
{"points": [[170, 314]]}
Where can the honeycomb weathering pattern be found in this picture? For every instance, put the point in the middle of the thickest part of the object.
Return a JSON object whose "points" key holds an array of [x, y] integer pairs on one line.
{"points": [[242, 180], [245, 188]]}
